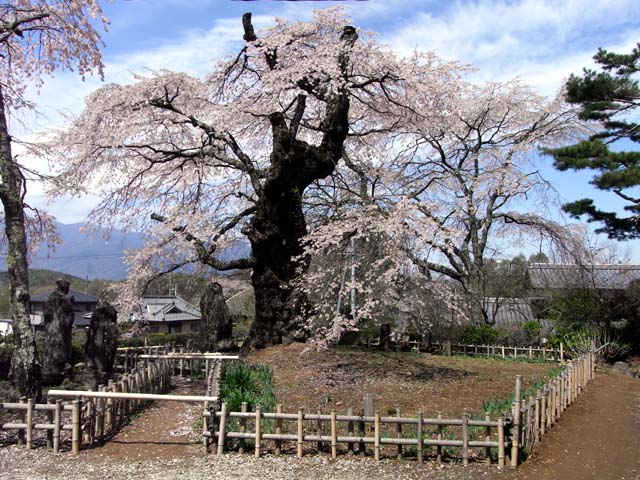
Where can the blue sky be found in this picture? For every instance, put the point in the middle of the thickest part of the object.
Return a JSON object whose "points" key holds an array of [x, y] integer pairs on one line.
{"points": [[541, 41]]}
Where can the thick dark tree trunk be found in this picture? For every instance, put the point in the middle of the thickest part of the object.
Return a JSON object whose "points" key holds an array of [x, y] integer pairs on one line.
{"points": [[278, 226], [25, 371], [58, 321], [217, 324], [102, 341]]}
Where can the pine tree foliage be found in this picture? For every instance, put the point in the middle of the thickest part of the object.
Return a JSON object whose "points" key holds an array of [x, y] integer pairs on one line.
{"points": [[609, 97]]}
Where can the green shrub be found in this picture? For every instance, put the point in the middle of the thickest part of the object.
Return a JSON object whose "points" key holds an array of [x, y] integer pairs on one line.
{"points": [[479, 335], [532, 330], [253, 384]]}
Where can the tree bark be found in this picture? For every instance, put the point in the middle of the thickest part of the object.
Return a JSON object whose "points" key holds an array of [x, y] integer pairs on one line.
{"points": [[278, 226], [25, 370]]}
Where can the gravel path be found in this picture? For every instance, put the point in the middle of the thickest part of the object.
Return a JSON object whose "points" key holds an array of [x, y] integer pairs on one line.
{"points": [[37, 464], [597, 438]]}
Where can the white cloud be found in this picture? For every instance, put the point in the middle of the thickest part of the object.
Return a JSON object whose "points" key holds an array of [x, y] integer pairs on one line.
{"points": [[542, 41]]}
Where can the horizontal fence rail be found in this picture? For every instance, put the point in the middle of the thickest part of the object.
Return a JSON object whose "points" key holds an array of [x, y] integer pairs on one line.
{"points": [[551, 354], [333, 429], [93, 415]]}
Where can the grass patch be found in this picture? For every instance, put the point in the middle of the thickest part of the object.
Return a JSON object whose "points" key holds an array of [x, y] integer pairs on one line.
{"points": [[252, 384]]}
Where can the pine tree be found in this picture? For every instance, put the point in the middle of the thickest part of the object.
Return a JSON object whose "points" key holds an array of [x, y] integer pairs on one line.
{"points": [[609, 96]]}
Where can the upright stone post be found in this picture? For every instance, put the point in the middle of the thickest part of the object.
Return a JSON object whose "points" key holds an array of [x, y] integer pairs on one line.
{"points": [[58, 321]]}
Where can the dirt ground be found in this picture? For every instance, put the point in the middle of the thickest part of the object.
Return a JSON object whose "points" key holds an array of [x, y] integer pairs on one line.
{"points": [[339, 378], [598, 437], [164, 430]]}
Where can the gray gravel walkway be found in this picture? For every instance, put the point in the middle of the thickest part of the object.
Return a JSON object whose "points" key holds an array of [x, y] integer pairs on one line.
{"points": [[19, 464]]}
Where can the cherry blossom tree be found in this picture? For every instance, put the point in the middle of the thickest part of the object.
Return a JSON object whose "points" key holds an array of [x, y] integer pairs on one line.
{"points": [[200, 164], [450, 193], [36, 38]]}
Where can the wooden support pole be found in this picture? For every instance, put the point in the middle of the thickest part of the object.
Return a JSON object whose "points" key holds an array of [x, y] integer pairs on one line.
{"points": [[543, 412], [501, 448], [75, 427], [350, 431], [536, 425], [487, 437], [101, 413], [278, 430], [319, 429], [221, 429], [561, 351], [362, 449], [465, 439], [50, 401], [243, 426], [109, 408], [399, 434], [376, 438], [420, 439], [515, 441], [300, 443], [439, 447], [29, 423], [334, 435], [57, 419], [206, 421], [23, 419]]}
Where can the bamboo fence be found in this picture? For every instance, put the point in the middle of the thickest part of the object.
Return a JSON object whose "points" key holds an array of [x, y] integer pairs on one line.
{"points": [[91, 415], [504, 351], [535, 413], [504, 440], [406, 436]]}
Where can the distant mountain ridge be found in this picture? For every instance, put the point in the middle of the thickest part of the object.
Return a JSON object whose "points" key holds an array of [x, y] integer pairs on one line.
{"points": [[89, 257], [93, 257]]}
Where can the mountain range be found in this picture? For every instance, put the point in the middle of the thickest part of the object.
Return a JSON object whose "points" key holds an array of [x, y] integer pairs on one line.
{"points": [[89, 257], [99, 256]]}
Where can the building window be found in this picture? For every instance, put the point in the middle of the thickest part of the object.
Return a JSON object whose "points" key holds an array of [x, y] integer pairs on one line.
{"points": [[175, 328]]}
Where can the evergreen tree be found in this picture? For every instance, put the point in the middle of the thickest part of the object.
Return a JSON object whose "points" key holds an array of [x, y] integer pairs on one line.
{"points": [[609, 97]]}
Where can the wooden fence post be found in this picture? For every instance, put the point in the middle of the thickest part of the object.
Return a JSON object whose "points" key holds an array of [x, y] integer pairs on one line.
{"points": [[439, 447], [487, 433], [350, 431], [376, 438], [57, 414], [362, 448], [23, 418], [278, 430], [543, 412], [50, 401], [221, 431], [334, 437], [319, 429], [465, 439], [75, 427], [29, 423], [420, 439], [300, 431], [515, 441], [501, 441], [243, 426], [536, 426], [399, 433]]}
